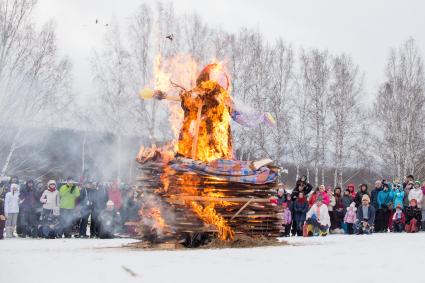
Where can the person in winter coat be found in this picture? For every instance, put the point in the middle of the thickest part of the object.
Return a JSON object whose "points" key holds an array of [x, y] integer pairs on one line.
{"points": [[409, 186], [318, 218], [287, 219], [374, 194], [338, 212], [87, 200], [423, 206], [68, 193], [114, 194], [398, 220], [11, 209], [346, 200], [413, 217], [2, 218], [280, 198], [385, 203], [50, 200], [301, 186], [352, 189], [300, 211], [362, 191], [100, 197], [320, 191], [365, 219], [29, 199], [398, 195], [350, 218], [417, 194], [109, 220]]}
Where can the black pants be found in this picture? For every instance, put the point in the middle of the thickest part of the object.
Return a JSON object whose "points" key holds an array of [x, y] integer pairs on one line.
{"points": [[2, 224], [287, 230], [28, 223], [350, 229], [398, 227], [383, 217]]}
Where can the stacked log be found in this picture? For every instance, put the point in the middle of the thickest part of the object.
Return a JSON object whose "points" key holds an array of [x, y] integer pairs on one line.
{"points": [[244, 208]]}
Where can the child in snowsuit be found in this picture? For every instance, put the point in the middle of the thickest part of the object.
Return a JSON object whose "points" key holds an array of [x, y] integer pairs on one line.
{"points": [[398, 220], [318, 219], [287, 219], [350, 218]]}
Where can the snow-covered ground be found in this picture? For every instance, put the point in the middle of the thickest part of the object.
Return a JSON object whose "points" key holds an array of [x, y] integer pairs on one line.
{"points": [[337, 258]]}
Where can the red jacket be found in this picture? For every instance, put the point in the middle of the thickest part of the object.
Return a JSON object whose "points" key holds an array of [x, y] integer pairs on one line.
{"points": [[115, 196], [313, 198]]}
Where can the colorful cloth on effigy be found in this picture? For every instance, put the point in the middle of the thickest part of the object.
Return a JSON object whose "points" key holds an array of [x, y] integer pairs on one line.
{"points": [[230, 170], [252, 120]]}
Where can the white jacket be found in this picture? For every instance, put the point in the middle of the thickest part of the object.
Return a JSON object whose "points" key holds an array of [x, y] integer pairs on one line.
{"points": [[416, 193], [11, 203], [322, 213], [50, 200]]}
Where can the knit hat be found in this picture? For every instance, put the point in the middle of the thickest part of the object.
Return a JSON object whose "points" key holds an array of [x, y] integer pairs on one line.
{"points": [[353, 204], [51, 182], [14, 186], [109, 202], [281, 190], [417, 182], [366, 197], [351, 186]]}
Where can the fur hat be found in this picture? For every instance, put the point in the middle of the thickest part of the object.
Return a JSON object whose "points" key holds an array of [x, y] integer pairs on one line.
{"points": [[366, 197]]}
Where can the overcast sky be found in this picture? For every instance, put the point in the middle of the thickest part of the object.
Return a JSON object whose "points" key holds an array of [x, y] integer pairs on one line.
{"points": [[366, 29]]}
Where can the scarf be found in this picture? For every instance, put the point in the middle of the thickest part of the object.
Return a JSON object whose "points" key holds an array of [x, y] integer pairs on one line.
{"points": [[51, 189]]}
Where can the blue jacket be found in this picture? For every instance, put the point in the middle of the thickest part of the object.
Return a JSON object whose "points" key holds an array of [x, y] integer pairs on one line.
{"points": [[300, 211], [398, 197], [385, 198]]}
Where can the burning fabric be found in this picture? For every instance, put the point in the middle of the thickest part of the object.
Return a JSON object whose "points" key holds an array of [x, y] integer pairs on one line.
{"points": [[230, 170]]}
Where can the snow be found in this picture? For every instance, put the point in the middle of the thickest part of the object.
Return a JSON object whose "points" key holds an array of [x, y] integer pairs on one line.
{"points": [[336, 258]]}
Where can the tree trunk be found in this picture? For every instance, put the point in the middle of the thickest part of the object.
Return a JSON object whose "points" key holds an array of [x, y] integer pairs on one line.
{"points": [[12, 149]]}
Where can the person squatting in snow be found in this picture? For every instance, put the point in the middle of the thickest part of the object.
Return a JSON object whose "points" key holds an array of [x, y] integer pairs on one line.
{"points": [[66, 210]]}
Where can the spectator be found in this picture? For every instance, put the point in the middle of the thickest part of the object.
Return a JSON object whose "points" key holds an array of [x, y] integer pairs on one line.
{"points": [[301, 186], [114, 195], [398, 195], [338, 212], [29, 199], [109, 220], [68, 192], [352, 189], [100, 197], [407, 179], [87, 200], [362, 191], [320, 191], [300, 211], [423, 206], [39, 188], [365, 217], [2, 218], [287, 219], [413, 217], [398, 220], [318, 219], [374, 194], [350, 218], [385, 202], [416, 193], [407, 189], [346, 200], [280, 198], [11, 209]]}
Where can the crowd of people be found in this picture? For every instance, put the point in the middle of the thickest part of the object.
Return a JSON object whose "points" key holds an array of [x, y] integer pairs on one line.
{"points": [[388, 207], [65, 209]]}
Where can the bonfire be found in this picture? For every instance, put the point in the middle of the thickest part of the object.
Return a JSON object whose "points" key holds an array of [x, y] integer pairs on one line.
{"points": [[194, 188]]}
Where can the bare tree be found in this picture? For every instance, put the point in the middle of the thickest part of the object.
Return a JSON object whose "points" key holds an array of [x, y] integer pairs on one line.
{"points": [[399, 111], [344, 107], [315, 69]]}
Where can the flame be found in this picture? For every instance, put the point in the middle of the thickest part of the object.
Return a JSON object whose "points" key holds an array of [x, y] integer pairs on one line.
{"points": [[209, 215], [159, 223], [201, 124]]}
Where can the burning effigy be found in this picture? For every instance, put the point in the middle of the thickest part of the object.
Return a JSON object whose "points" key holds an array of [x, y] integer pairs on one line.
{"points": [[194, 188]]}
